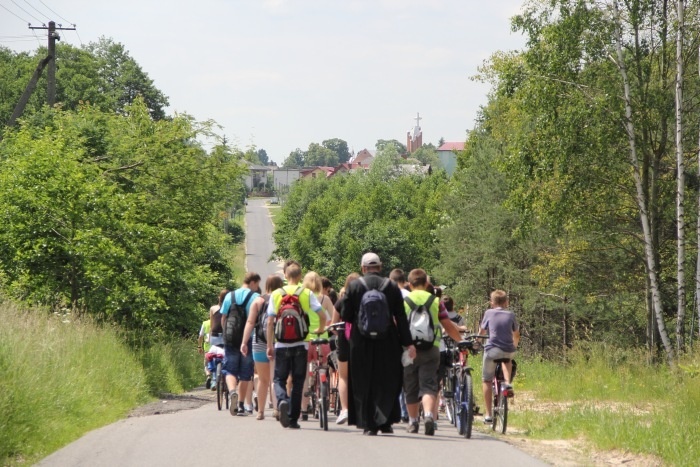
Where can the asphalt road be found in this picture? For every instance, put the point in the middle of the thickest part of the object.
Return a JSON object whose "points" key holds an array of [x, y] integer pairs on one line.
{"points": [[208, 437], [259, 241]]}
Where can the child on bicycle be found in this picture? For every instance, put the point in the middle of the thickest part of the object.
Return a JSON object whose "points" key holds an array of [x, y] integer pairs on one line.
{"points": [[504, 334]]}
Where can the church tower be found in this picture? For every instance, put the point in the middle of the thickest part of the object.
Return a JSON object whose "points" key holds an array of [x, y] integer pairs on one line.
{"points": [[415, 140]]}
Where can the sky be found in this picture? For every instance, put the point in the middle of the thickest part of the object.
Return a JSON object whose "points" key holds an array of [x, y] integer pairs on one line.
{"points": [[281, 74]]}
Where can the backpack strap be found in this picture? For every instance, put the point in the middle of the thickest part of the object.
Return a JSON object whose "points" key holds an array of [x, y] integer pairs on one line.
{"points": [[246, 299], [411, 305], [382, 286], [429, 302], [299, 291]]}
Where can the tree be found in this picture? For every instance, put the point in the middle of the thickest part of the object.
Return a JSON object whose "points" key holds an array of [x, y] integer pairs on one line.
{"points": [[318, 155], [382, 143], [338, 146], [262, 157], [296, 158], [427, 155], [126, 223]]}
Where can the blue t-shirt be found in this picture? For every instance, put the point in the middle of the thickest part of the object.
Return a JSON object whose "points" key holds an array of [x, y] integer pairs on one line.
{"points": [[501, 324], [240, 295]]}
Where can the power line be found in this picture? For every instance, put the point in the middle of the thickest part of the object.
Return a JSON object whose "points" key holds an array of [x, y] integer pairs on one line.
{"points": [[76, 33], [11, 12], [31, 15], [64, 19], [34, 8]]}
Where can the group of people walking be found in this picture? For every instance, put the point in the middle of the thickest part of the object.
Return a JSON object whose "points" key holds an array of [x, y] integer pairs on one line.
{"points": [[389, 352]]}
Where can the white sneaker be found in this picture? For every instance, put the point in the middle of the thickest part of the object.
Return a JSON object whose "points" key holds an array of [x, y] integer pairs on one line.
{"points": [[342, 417]]}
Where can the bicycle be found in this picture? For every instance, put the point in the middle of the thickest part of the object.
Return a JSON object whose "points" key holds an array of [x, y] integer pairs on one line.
{"points": [[335, 404], [319, 386], [222, 397], [501, 394], [464, 406]]}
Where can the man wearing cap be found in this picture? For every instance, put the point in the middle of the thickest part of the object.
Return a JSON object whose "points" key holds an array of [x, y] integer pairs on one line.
{"points": [[376, 373]]}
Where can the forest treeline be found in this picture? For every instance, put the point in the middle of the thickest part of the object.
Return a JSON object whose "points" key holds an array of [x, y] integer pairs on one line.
{"points": [[108, 206], [578, 189], [577, 192]]}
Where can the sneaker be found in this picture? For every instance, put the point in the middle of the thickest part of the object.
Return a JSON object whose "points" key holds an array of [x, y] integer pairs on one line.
{"points": [[412, 427], [284, 414], [294, 425], [248, 410], [507, 390], [488, 420], [213, 385], [233, 408], [304, 416], [207, 384], [342, 417], [429, 426]]}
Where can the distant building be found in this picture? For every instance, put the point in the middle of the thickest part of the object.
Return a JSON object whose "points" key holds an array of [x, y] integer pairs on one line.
{"points": [[317, 172], [447, 153], [363, 158], [414, 140], [257, 175], [282, 178]]}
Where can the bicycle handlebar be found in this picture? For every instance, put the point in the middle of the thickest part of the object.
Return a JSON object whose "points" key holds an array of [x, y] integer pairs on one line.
{"points": [[336, 327]]}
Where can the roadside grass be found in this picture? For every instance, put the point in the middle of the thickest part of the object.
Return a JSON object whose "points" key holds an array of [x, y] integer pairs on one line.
{"points": [[614, 399], [275, 211], [61, 377]]}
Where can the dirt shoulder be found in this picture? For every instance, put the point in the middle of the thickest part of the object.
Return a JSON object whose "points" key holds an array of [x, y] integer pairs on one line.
{"points": [[170, 403]]}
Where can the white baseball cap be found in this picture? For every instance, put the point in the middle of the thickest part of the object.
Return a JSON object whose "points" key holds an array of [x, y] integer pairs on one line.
{"points": [[370, 259]]}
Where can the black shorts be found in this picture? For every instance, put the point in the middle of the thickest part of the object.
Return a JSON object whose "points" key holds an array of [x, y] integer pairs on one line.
{"points": [[343, 348]]}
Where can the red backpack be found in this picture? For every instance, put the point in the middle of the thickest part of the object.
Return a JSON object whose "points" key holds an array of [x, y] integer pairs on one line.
{"points": [[292, 324]]}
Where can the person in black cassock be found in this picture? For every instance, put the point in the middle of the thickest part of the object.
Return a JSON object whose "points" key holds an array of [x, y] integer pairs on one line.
{"points": [[376, 373]]}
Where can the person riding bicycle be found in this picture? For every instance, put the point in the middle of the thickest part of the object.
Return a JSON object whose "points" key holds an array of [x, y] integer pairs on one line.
{"points": [[504, 334]]}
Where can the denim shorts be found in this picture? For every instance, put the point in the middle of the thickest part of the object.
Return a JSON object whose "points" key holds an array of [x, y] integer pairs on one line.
{"points": [[489, 369], [238, 365]]}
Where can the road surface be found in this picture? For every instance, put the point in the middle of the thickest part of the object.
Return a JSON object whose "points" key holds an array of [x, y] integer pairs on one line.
{"points": [[208, 437]]}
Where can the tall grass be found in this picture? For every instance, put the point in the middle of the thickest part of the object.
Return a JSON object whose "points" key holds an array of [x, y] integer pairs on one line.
{"points": [[613, 398], [60, 378]]}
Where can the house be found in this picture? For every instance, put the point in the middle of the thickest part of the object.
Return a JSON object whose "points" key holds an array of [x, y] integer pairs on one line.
{"points": [[363, 158], [257, 176], [317, 172], [447, 153], [348, 167]]}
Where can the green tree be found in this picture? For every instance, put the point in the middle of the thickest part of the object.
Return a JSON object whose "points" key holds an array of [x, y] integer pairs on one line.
{"points": [[340, 147], [296, 158], [262, 157], [382, 143], [318, 155]]}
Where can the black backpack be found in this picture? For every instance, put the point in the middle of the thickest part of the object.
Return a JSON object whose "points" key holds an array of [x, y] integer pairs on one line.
{"points": [[261, 323], [235, 321], [373, 316], [420, 322]]}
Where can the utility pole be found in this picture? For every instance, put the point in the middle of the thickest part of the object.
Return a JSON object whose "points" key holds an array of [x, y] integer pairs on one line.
{"points": [[51, 72]]}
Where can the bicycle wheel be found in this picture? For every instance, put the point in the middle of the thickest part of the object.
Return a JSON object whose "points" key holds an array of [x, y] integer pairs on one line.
{"points": [[323, 402], [449, 395], [459, 422], [220, 387], [467, 404], [500, 412]]}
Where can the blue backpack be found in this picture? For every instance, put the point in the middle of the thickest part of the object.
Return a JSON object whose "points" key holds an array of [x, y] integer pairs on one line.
{"points": [[373, 317]]}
